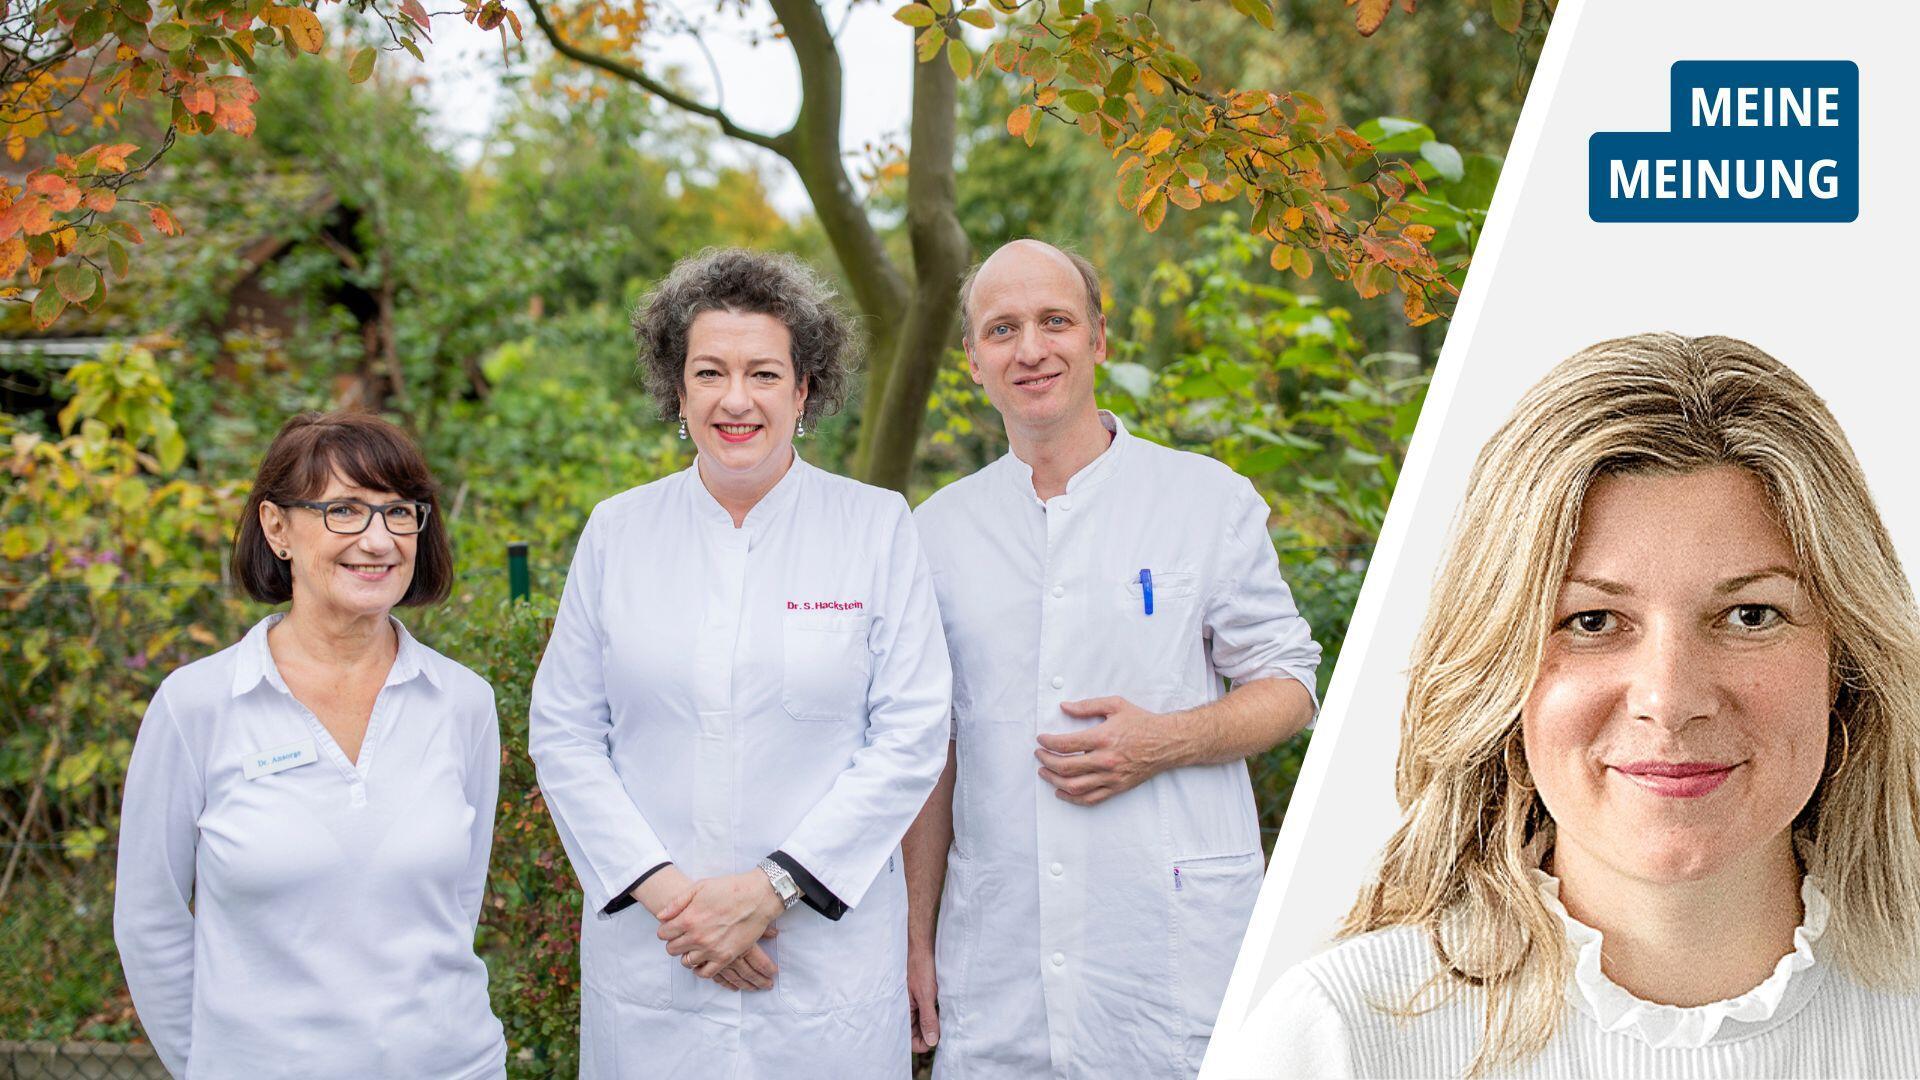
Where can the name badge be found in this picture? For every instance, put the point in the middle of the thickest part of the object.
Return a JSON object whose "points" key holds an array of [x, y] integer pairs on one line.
{"points": [[279, 759]]}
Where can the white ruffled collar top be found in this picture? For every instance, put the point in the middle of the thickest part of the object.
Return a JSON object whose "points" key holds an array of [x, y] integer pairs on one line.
{"points": [[1793, 983]]}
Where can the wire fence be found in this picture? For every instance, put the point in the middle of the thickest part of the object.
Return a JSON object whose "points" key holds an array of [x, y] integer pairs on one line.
{"points": [[64, 1009]]}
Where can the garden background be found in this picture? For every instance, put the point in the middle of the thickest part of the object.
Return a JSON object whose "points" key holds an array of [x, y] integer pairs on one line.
{"points": [[344, 253]]}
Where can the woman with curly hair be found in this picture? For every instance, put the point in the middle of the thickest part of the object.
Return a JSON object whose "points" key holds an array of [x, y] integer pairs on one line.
{"points": [[743, 705], [1658, 760]]}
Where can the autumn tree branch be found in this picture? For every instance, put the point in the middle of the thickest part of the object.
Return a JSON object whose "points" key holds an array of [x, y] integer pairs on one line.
{"points": [[779, 144]]}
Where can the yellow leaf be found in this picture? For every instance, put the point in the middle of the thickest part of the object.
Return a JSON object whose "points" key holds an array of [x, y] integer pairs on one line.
{"points": [[1158, 142], [1292, 217], [1154, 212], [1184, 196], [1420, 233], [959, 59], [300, 25], [1282, 257], [1370, 15]]}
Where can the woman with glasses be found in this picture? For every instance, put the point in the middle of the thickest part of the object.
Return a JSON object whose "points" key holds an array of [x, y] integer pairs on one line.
{"points": [[308, 814]]}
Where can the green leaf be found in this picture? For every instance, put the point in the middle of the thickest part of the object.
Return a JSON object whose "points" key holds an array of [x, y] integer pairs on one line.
{"points": [[1080, 101], [117, 257], [1122, 80], [76, 282], [1257, 10], [959, 59], [1135, 379], [977, 17], [1395, 135], [1072, 9], [1507, 13], [89, 28], [930, 41], [915, 15], [170, 36], [100, 577], [941, 7], [1445, 159], [362, 67], [47, 306]]}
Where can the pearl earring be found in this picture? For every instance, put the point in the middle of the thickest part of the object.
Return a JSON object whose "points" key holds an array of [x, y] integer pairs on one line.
{"points": [[283, 553], [683, 428], [799, 428]]}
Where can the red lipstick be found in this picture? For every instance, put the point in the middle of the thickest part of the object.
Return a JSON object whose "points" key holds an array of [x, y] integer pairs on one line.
{"points": [[1677, 779]]}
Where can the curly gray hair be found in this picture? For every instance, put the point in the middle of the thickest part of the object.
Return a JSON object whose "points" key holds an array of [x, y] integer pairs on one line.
{"points": [[750, 282]]}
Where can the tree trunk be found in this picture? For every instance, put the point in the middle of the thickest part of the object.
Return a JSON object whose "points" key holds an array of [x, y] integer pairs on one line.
{"points": [[940, 253]]}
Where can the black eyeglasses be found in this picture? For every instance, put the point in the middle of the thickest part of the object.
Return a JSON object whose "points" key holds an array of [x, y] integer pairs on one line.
{"points": [[351, 517]]}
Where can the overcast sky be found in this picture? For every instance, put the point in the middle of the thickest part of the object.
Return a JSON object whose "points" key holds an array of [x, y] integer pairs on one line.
{"points": [[760, 84]]}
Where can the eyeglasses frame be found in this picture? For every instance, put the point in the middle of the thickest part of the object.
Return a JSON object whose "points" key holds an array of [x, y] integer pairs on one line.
{"points": [[424, 509]]}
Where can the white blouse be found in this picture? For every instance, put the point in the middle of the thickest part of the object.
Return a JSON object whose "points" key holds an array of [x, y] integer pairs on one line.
{"points": [[284, 912], [1806, 1019]]}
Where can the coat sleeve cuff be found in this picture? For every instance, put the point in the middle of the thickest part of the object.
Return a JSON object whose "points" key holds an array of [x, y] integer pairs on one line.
{"points": [[817, 896], [623, 899]]}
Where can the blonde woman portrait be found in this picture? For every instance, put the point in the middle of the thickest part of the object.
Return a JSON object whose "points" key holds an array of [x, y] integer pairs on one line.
{"points": [[1657, 769]]}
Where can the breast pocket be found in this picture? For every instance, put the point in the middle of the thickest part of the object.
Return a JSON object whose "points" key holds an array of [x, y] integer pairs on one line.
{"points": [[1156, 628], [827, 666]]}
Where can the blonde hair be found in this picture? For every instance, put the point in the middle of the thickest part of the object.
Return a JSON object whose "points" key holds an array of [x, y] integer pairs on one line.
{"points": [[1472, 826]]}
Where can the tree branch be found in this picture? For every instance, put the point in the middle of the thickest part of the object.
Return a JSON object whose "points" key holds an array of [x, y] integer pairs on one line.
{"points": [[780, 144]]}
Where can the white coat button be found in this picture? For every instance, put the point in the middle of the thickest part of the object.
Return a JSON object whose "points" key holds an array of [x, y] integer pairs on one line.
{"points": [[1058, 682], [1059, 591], [1064, 503], [1059, 959], [1057, 869]]}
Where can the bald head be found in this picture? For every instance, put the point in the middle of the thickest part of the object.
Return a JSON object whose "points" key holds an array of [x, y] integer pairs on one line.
{"points": [[1022, 257]]}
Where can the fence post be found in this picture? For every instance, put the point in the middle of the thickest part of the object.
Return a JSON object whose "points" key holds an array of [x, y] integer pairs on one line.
{"points": [[517, 584]]}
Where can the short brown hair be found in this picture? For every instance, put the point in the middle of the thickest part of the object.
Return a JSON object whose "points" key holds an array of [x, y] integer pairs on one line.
{"points": [[369, 452], [824, 345]]}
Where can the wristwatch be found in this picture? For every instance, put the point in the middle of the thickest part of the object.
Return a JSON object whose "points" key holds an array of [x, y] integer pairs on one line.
{"points": [[782, 882]]}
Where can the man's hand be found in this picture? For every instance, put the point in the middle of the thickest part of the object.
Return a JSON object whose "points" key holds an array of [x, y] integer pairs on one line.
{"points": [[923, 996], [718, 920], [1121, 752]]}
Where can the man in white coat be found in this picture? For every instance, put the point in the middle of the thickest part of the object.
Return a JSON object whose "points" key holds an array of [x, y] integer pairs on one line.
{"points": [[1095, 829]]}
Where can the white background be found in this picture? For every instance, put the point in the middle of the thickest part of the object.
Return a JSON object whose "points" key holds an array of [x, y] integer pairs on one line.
{"points": [[1835, 302]]}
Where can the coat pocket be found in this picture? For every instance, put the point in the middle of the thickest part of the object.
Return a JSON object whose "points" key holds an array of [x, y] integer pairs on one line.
{"points": [[624, 958], [827, 667], [1213, 897], [859, 960]]}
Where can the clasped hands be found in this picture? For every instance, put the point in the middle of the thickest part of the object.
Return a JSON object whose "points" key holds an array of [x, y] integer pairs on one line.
{"points": [[714, 925]]}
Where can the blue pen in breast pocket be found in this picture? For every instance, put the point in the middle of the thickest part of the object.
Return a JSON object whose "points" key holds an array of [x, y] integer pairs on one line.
{"points": [[1146, 590]]}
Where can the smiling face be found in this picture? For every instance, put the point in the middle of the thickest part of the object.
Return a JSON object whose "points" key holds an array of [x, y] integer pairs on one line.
{"points": [[1679, 721], [739, 394], [1032, 343], [334, 574]]}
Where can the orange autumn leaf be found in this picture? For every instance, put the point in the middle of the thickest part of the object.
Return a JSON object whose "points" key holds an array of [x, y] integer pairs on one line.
{"points": [[1019, 120], [1421, 233], [163, 220], [13, 252], [1158, 142], [100, 200], [114, 158], [233, 104], [197, 97], [1293, 217]]}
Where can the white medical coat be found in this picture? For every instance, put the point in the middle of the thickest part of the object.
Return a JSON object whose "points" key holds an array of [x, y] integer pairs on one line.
{"points": [[1096, 941], [712, 694]]}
